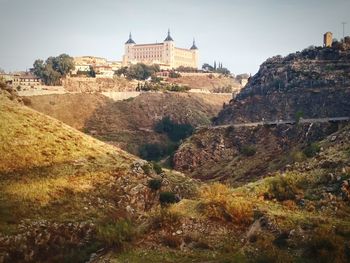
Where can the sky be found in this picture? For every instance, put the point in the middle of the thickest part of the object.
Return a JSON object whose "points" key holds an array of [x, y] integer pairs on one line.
{"points": [[239, 33]]}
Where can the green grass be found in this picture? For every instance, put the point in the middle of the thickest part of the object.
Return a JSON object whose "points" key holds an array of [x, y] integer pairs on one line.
{"points": [[172, 256]]}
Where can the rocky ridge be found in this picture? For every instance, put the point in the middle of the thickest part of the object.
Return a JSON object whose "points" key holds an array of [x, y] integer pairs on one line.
{"points": [[313, 83]]}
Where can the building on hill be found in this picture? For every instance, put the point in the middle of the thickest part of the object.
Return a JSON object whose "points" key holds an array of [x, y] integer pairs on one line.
{"points": [[25, 79], [165, 54], [327, 39], [102, 67]]}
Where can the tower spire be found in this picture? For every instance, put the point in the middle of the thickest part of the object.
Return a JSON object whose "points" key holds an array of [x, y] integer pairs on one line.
{"points": [[168, 38], [194, 44], [130, 40]]}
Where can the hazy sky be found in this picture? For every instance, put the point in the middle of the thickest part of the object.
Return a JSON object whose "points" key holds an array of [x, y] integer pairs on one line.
{"points": [[239, 33]]}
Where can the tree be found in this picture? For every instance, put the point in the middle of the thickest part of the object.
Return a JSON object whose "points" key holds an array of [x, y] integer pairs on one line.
{"points": [[139, 71], [214, 65], [208, 67], [53, 69], [92, 72], [38, 68]]}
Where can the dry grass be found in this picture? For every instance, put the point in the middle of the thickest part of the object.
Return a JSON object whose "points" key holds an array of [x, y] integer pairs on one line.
{"points": [[49, 170], [29, 139], [220, 203]]}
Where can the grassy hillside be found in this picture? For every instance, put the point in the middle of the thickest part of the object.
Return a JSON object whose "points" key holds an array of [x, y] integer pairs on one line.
{"points": [[129, 124], [61, 189], [299, 215]]}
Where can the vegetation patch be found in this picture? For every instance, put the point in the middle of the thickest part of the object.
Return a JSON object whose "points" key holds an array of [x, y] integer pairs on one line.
{"points": [[166, 198], [218, 202], [155, 184], [248, 150], [175, 131], [311, 150], [116, 233]]}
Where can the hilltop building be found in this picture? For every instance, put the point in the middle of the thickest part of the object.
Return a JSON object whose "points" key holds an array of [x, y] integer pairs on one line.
{"points": [[165, 54], [102, 67], [327, 39]]}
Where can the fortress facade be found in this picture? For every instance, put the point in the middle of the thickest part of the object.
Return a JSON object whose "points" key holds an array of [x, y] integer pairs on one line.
{"points": [[165, 54]]}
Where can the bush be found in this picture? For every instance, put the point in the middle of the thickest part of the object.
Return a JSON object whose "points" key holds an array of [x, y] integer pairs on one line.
{"points": [[311, 150], [152, 151], [167, 198], [115, 234], [282, 188], [156, 151], [219, 203], [248, 150], [177, 88], [175, 132], [138, 71], [146, 168], [164, 218], [157, 168], [155, 184]]}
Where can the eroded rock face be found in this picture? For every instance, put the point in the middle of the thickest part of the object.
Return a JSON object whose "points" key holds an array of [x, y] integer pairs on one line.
{"points": [[245, 154], [314, 82]]}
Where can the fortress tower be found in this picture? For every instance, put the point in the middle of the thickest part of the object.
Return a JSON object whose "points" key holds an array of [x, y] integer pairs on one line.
{"points": [[165, 54], [327, 39]]}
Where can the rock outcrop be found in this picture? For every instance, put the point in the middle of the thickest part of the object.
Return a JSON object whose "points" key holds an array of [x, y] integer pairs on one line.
{"points": [[314, 83]]}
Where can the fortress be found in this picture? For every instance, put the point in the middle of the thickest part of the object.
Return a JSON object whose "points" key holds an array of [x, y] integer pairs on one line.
{"points": [[165, 54]]}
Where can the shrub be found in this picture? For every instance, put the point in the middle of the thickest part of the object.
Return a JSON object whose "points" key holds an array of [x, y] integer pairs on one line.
{"points": [[146, 168], [115, 233], [156, 151], [175, 132], [282, 188], [164, 218], [157, 168], [311, 150], [167, 198], [219, 203], [155, 184], [297, 156], [248, 150], [152, 151]]}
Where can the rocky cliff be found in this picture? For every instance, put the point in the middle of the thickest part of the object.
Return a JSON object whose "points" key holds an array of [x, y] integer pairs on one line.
{"points": [[244, 154], [313, 83]]}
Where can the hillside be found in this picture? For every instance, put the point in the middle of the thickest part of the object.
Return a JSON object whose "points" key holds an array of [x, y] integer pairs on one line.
{"points": [[211, 83], [313, 83], [61, 189], [238, 155], [77, 84], [300, 214], [129, 123]]}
